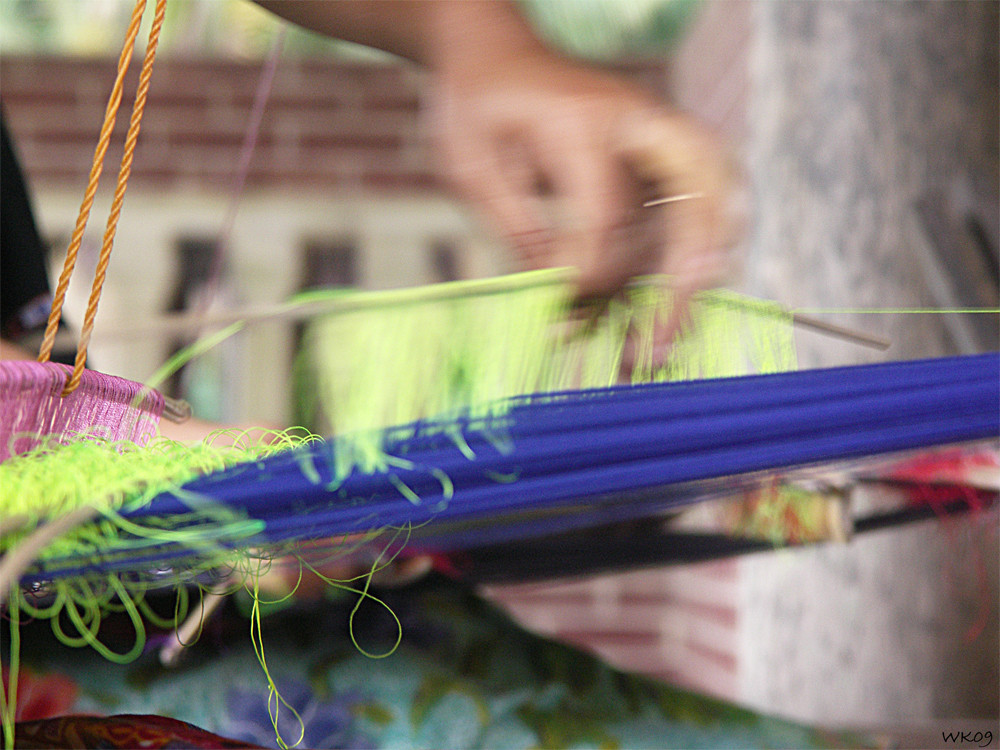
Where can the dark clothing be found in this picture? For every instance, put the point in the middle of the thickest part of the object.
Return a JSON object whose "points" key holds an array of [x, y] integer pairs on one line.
{"points": [[25, 297]]}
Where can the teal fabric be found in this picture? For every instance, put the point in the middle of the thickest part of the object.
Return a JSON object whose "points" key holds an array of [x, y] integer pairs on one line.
{"points": [[465, 676], [610, 30]]}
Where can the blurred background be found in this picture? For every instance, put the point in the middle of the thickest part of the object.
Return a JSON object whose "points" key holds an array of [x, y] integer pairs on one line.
{"points": [[866, 133]]}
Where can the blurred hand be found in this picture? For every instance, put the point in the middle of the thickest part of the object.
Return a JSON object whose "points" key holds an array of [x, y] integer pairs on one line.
{"points": [[560, 158], [194, 430], [557, 155]]}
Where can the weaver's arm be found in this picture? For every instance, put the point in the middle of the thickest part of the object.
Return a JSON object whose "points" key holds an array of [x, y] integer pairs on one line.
{"points": [[10, 350], [517, 124], [420, 30]]}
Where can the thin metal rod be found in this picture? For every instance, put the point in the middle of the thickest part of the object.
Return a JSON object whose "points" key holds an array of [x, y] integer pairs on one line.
{"points": [[819, 326], [672, 199]]}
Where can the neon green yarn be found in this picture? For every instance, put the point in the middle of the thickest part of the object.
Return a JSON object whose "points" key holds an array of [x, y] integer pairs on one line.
{"points": [[55, 479], [465, 348]]}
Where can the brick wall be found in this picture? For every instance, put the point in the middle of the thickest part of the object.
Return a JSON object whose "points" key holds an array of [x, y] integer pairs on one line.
{"points": [[327, 124]]}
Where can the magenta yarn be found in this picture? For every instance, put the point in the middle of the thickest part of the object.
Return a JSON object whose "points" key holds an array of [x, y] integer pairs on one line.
{"points": [[104, 406]]}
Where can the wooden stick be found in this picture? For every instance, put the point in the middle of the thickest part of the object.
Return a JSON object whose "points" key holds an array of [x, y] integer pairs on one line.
{"points": [[829, 329], [187, 632], [174, 324], [192, 322]]}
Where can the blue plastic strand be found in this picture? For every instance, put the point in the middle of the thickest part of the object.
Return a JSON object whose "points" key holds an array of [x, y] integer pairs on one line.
{"points": [[578, 449]]}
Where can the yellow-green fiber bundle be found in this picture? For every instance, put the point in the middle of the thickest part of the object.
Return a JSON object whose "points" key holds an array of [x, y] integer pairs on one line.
{"points": [[463, 349], [56, 478]]}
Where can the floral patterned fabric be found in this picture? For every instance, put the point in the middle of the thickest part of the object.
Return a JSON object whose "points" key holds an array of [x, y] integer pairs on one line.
{"points": [[464, 676], [147, 732]]}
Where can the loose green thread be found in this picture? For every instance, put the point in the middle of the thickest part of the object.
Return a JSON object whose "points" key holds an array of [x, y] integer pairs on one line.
{"points": [[257, 640], [275, 700], [185, 355], [897, 311], [8, 692], [167, 623]]}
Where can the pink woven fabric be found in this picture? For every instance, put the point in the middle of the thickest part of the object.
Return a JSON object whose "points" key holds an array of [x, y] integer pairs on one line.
{"points": [[103, 406]]}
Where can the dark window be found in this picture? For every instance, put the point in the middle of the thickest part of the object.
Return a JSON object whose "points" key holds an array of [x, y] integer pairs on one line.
{"points": [[195, 266], [329, 263]]}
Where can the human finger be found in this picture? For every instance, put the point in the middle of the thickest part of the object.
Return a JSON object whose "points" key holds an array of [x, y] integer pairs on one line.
{"points": [[589, 201], [692, 177], [498, 181]]}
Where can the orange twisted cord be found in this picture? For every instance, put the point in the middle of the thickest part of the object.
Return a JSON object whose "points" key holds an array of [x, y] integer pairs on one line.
{"points": [[95, 175], [119, 198]]}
